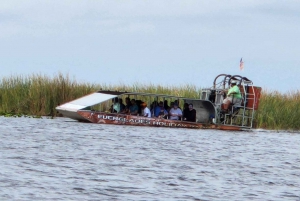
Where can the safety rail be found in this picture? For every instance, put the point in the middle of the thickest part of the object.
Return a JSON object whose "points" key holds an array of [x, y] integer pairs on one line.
{"points": [[240, 116]]}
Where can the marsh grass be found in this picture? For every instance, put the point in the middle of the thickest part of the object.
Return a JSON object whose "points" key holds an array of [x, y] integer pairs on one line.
{"points": [[279, 111], [38, 95]]}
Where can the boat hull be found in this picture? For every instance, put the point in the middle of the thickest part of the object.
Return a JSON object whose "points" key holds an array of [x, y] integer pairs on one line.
{"points": [[123, 119]]}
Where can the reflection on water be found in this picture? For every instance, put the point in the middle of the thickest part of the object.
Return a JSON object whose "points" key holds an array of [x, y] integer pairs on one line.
{"points": [[60, 159]]}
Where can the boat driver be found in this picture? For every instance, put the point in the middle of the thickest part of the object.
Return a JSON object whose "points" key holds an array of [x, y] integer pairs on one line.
{"points": [[233, 96]]}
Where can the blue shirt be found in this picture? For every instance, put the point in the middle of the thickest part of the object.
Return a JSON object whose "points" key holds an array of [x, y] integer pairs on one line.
{"points": [[159, 111], [133, 108]]}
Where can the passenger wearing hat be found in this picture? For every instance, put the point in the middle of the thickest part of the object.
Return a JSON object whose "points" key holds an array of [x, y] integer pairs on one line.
{"points": [[146, 111], [175, 112], [233, 96]]}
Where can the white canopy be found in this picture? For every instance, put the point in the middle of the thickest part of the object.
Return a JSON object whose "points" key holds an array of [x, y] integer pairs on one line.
{"points": [[85, 101]]}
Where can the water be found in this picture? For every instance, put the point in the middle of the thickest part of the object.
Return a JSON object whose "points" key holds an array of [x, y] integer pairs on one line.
{"points": [[60, 159]]}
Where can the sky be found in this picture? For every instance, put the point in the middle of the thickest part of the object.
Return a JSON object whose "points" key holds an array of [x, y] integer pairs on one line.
{"points": [[165, 42]]}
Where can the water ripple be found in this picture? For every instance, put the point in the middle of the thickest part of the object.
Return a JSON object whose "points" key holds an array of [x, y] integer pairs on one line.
{"points": [[43, 159]]}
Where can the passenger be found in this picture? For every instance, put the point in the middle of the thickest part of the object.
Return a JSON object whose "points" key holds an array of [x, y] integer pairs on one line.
{"points": [[177, 102], [138, 103], [191, 114], [146, 111], [171, 106], [159, 111], [122, 106], [133, 109], [115, 107], [153, 105], [175, 112], [185, 110], [166, 106], [233, 96], [128, 104]]}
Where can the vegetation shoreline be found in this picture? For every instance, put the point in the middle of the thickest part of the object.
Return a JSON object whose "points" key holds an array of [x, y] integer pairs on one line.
{"points": [[37, 95]]}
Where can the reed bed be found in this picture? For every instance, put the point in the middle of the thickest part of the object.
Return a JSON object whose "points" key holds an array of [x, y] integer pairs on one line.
{"points": [[38, 94], [279, 111]]}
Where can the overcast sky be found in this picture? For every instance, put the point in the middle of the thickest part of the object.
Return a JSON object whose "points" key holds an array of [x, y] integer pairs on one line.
{"points": [[166, 42]]}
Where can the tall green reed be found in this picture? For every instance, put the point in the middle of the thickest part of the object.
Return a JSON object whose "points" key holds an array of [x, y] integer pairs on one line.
{"points": [[38, 94], [279, 111]]}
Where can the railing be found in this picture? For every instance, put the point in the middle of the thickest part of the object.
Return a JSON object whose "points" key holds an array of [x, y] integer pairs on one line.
{"points": [[244, 114]]}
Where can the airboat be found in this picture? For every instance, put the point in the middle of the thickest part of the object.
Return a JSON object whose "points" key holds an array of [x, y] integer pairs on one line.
{"points": [[94, 107]]}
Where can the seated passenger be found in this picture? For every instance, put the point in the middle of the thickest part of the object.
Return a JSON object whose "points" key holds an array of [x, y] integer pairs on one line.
{"points": [[115, 107], [171, 106], [128, 104], [138, 103], [160, 111], [133, 109], [166, 106], [122, 106], [175, 112], [152, 106], [177, 102], [146, 111], [233, 96], [190, 114], [185, 110]]}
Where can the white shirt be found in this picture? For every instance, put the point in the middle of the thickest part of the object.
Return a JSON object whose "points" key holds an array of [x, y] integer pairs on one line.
{"points": [[173, 111], [147, 112]]}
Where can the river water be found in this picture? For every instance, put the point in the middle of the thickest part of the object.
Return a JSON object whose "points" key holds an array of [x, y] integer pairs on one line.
{"points": [[61, 159]]}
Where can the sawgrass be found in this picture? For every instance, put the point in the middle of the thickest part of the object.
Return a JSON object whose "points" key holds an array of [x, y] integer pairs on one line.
{"points": [[38, 95], [279, 111]]}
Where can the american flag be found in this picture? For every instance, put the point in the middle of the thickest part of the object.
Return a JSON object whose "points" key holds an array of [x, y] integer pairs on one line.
{"points": [[241, 64]]}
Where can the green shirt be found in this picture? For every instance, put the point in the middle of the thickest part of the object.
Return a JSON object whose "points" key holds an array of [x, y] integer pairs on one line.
{"points": [[234, 92]]}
